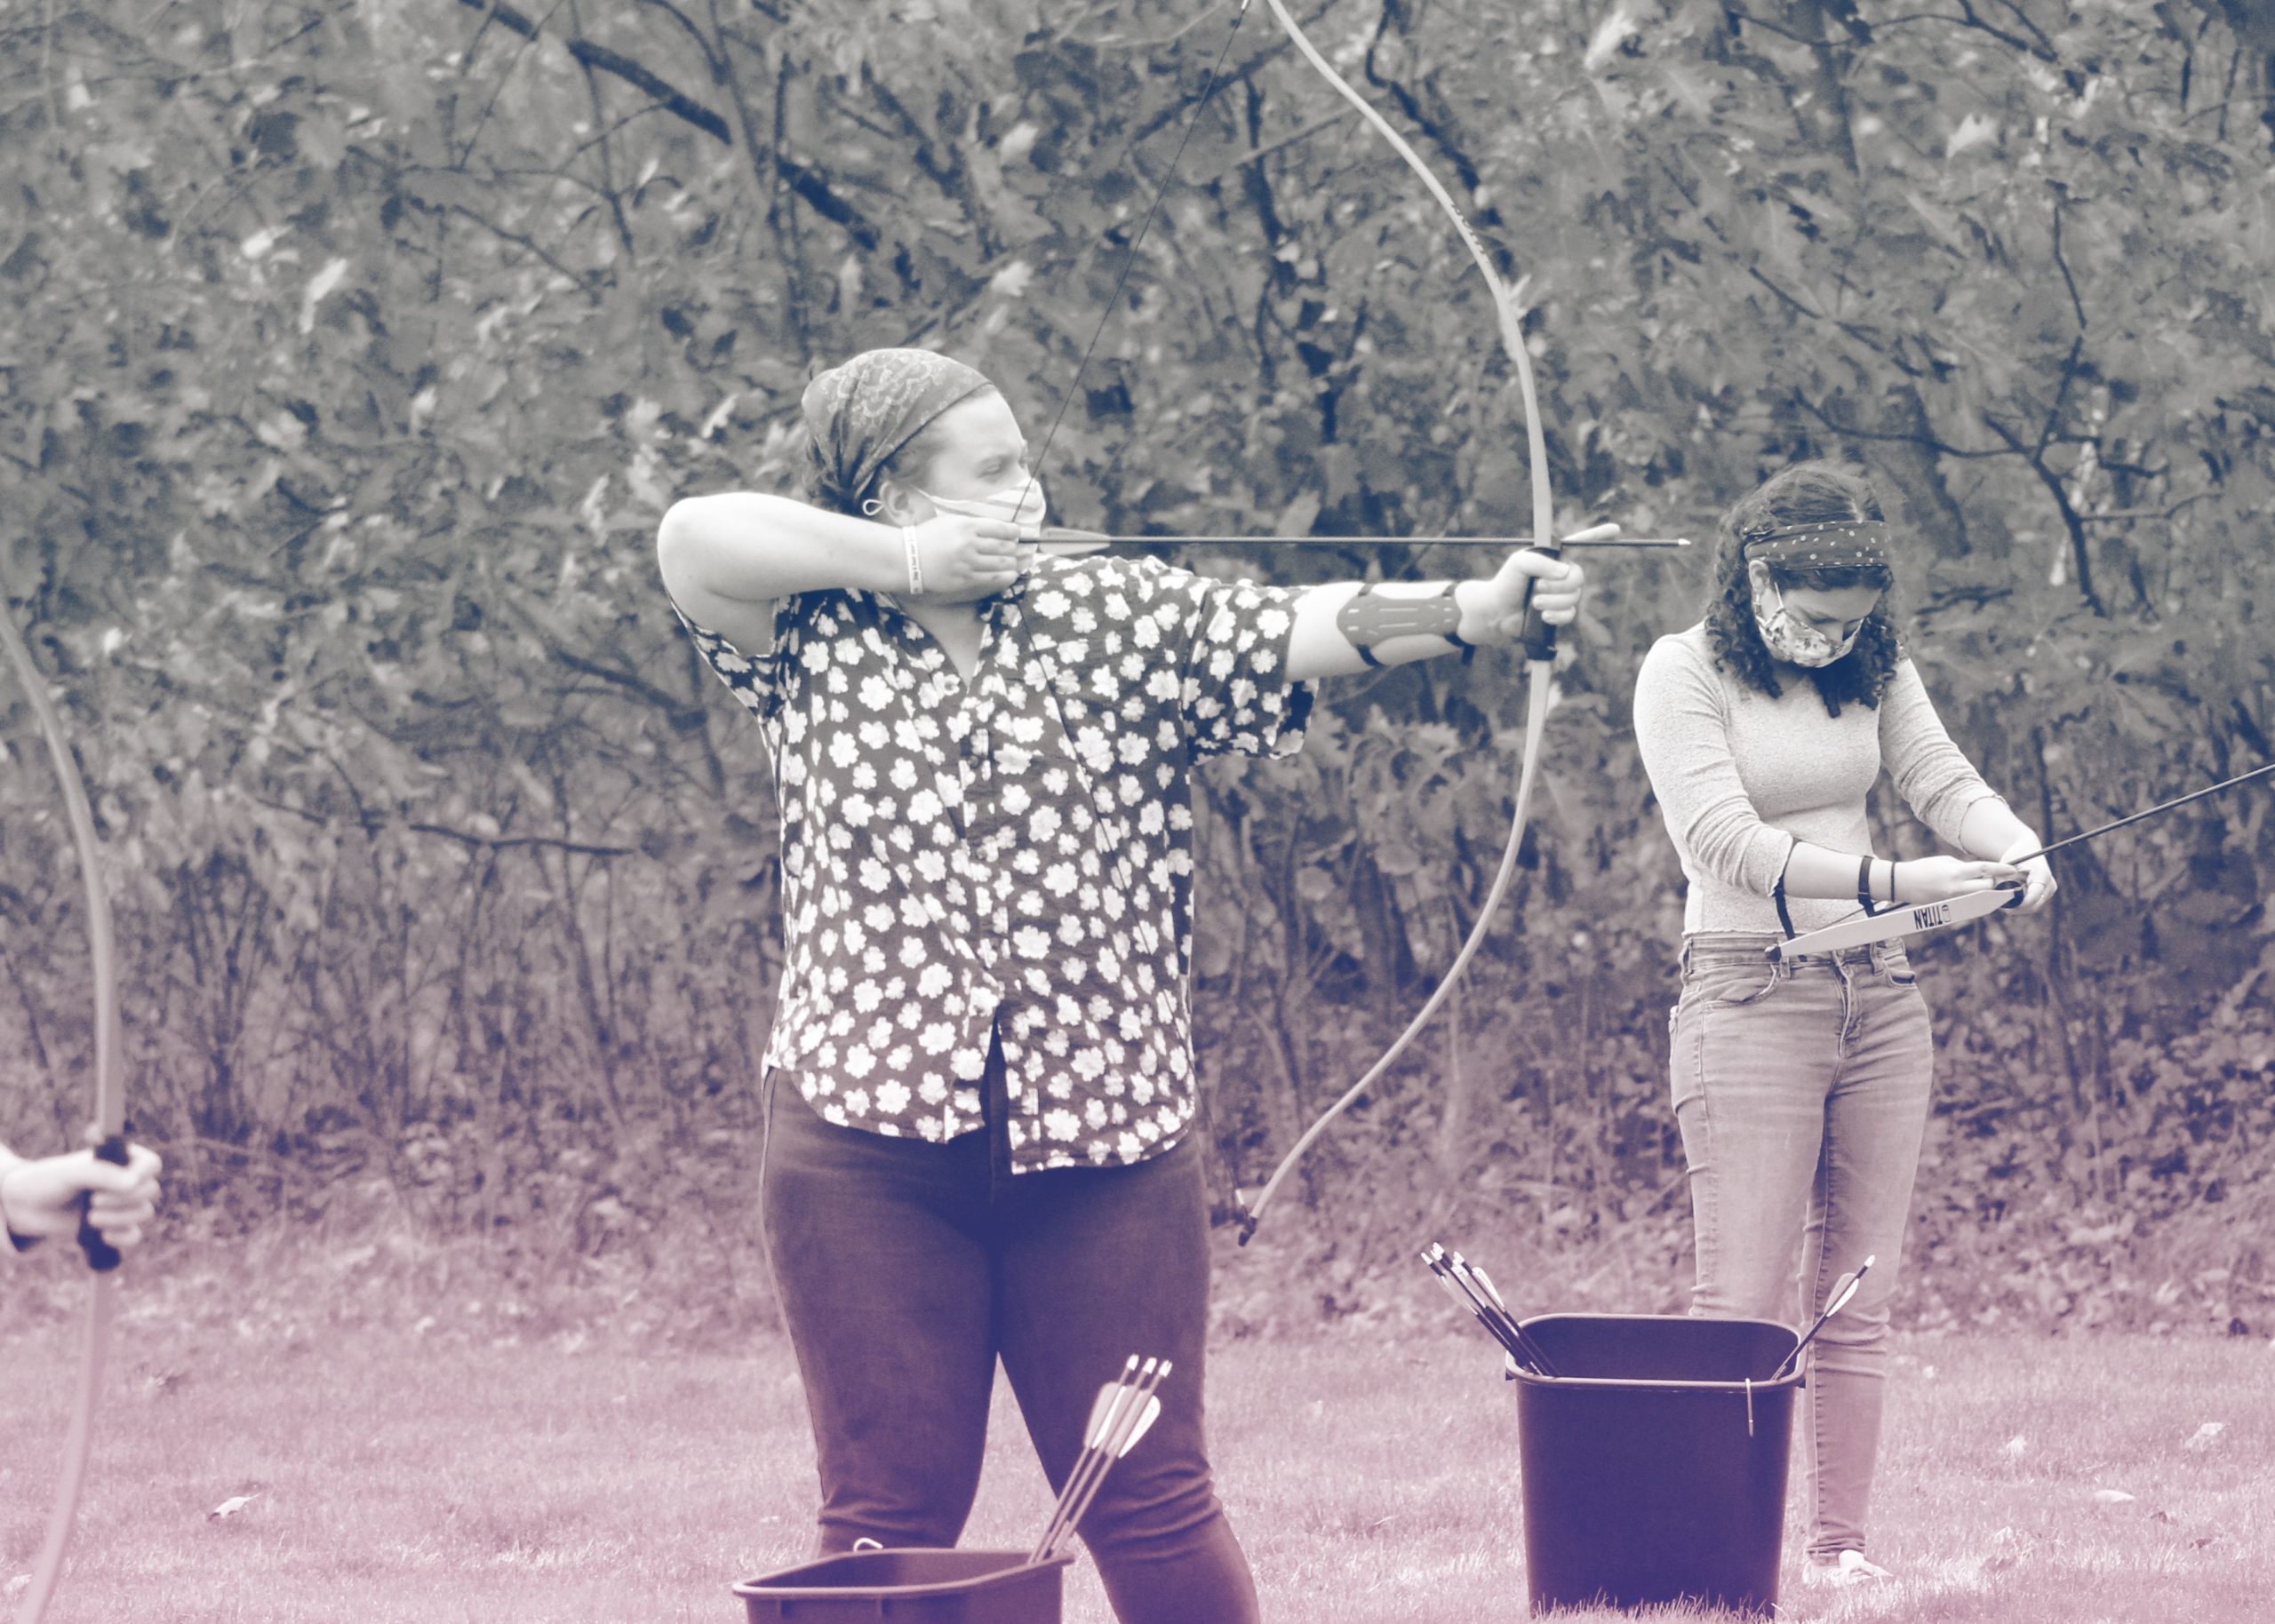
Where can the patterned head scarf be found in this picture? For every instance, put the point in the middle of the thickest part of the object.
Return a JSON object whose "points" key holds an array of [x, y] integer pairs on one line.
{"points": [[860, 413], [1840, 543]]}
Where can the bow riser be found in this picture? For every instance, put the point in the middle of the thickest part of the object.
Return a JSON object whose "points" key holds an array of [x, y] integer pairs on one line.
{"points": [[1891, 923]]}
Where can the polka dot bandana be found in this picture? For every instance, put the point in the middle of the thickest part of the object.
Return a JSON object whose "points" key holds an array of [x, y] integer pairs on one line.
{"points": [[860, 413], [1841, 544]]}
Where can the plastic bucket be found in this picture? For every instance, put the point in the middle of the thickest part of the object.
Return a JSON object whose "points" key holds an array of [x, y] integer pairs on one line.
{"points": [[912, 1586], [1653, 1471]]}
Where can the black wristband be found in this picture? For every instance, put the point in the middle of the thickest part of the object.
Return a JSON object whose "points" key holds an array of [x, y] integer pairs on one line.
{"points": [[1865, 884]]}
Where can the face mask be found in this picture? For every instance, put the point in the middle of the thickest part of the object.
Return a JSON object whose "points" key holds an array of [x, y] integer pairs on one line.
{"points": [[1022, 503], [1791, 639]]}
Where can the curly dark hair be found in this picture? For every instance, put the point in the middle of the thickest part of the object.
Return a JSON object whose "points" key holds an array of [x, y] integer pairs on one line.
{"points": [[824, 489], [1807, 493]]}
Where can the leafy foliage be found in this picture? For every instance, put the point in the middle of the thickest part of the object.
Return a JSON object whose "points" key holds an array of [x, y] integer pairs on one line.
{"points": [[352, 353]]}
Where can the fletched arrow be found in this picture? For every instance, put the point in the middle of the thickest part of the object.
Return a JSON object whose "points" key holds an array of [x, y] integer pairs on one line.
{"points": [[1123, 1412]]}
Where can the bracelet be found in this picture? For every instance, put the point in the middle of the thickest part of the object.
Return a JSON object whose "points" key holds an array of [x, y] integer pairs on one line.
{"points": [[916, 568], [1864, 883], [1892, 895]]}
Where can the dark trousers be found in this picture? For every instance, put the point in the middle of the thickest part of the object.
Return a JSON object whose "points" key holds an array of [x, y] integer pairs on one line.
{"points": [[906, 1269]]}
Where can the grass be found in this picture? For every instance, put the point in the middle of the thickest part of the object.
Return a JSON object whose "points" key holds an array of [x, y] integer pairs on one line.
{"points": [[404, 1477]]}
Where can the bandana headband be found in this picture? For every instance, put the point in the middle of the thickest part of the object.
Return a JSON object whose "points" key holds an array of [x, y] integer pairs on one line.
{"points": [[862, 412], [1840, 543]]}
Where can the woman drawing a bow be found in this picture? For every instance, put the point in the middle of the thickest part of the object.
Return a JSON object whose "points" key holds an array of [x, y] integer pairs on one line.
{"points": [[980, 1089]]}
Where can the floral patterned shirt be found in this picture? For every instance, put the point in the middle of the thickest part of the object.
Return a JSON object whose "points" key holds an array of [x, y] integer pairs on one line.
{"points": [[1013, 851]]}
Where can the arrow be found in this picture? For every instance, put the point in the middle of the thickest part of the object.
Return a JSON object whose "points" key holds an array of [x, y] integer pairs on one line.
{"points": [[1056, 538], [1122, 1412], [1841, 1294]]}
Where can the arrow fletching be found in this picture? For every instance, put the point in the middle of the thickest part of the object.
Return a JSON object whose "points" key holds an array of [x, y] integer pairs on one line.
{"points": [[1840, 1298], [1142, 1423], [1842, 1293]]}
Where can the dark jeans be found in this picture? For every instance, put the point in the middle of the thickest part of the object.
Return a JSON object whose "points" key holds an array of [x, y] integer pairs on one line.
{"points": [[906, 1269]]}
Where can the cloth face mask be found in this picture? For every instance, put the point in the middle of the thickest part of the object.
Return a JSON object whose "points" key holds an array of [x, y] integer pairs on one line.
{"points": [[1790, 640], [1021, 505]]}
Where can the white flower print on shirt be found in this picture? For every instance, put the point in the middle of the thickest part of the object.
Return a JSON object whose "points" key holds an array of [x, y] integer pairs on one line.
{"points": [[983, 851]]}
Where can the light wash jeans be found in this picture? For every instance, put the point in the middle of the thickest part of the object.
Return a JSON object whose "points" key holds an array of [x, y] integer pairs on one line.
{"points": [[1801, 1089]]}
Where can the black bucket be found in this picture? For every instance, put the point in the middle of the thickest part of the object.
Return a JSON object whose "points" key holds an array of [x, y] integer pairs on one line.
{"points": [[1654, 1472], [911, 1586]]}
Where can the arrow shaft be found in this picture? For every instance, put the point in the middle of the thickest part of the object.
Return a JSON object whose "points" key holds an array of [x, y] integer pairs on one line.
{"points": [[2134, 817], [1057, 533]]}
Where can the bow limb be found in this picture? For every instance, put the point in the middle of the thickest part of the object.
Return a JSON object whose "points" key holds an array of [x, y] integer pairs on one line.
{"points": [[1540, 639], [1536, 729], [1860, 930], [1507, 317], [110, 1120], [1864, 929]]}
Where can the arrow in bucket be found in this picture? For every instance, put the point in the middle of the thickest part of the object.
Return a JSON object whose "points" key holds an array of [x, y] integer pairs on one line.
{"points": [[1539, 1365], [1470, 1286], [1841, 1294], [1123, 1412], [1474, 1276]]}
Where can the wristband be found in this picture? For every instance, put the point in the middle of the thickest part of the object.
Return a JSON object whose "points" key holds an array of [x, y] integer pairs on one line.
{"points": [[1865, 884], [916, 568]]}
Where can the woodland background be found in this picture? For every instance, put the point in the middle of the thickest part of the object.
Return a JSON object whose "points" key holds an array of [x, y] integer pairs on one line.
{"points": [[351, 352]]}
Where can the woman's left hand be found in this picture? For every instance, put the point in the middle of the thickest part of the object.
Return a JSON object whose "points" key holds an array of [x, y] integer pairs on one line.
{"points": [[1556, 584], [2039, 884]]}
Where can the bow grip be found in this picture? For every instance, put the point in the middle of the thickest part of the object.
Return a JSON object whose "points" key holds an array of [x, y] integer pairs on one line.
{"points": [[102, 1257], [1538, 637]]}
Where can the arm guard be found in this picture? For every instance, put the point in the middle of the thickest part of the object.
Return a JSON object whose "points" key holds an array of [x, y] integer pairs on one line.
{"points": [[1367, 618]]}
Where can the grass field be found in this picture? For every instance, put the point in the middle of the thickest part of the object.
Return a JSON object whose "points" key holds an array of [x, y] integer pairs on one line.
{"points": [[401, 1480]]}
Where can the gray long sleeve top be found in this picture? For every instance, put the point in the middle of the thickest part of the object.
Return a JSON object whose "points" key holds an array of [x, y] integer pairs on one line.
{"points": [[1741, 778]]}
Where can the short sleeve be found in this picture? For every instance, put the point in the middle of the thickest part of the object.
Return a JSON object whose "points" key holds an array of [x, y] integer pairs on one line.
{"points": [[754, 680], [1234, 689]]}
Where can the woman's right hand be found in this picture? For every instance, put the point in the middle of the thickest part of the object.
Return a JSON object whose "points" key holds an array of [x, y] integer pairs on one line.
{"points": [[962, 559], [1939, 879], [41, 1197]]}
